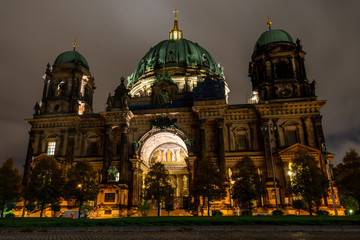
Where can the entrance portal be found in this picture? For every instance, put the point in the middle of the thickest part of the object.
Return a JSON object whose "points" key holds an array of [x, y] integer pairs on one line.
{"points": [[169, 149]]}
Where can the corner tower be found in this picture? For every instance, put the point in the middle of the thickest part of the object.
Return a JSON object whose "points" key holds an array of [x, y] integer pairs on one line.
{"points": [[68, 86], [277, 68]]}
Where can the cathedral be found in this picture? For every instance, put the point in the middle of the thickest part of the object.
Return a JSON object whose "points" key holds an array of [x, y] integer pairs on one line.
{"points": [[174, 109]]}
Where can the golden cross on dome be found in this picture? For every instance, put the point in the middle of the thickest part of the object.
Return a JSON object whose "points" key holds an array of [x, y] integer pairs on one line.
{"points": [[175, 11], [269, 23], [74, 44]]}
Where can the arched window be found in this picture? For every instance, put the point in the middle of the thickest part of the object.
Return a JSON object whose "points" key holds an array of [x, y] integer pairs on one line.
{"points": [[241, 139], [93, 145], [93, 148], [52, 141], [283, 69], [291, 133]]}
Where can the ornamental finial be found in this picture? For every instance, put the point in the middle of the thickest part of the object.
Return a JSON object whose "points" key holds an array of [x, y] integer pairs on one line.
{"points": [[74, 44], [176, 33], [175, 11], [269, 23]]}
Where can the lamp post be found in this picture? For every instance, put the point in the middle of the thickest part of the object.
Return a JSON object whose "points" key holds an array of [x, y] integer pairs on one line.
{"points": [[329, 174], [266, 129], [80, 198]]}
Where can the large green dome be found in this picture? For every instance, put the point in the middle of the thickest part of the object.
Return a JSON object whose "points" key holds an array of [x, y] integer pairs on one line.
{"points": [[71, 57], [272, 36], [175, 53]]}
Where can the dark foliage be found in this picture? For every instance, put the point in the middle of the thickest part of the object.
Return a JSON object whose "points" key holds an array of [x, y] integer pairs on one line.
{"points": [[209, 183], [308, 181], [348, 177], [157, 185], [249, 185], [322, 213], [46, 182], [298, 204], [10, 184], [82, 184], [277, 213]]}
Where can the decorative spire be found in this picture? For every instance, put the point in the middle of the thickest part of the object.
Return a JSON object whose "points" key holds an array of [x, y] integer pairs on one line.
{"points": [[176, 33], [74, 44], [269, 23], [175, 11]]}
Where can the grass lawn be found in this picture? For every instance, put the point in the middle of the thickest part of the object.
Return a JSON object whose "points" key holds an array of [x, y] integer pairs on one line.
{"points": [[179, 221]]}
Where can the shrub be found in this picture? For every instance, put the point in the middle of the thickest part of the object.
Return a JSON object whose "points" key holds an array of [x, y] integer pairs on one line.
{"points": [[246, 213], [144, 207], [277, 213], [322, 213], [10, 215], [298, 204], [169, 207], [193, 208], [216, 213]]}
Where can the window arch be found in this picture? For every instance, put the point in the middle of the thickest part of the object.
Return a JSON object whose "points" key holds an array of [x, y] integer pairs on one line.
{"points": [[283, 69], [52, 142], [241, 135], [291, 133], [93, 145]]}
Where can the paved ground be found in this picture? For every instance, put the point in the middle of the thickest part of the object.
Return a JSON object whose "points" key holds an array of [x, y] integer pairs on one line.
{"points": [[177, 235]]}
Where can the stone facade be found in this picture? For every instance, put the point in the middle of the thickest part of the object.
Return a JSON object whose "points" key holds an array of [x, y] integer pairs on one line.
{"points": [[177, 114]]}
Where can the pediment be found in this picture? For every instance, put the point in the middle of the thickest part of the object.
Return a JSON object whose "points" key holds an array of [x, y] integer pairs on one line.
{"points": [[299, 147]]}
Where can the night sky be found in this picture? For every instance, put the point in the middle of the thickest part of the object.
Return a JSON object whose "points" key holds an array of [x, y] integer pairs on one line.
{"points": [[114, 35]]}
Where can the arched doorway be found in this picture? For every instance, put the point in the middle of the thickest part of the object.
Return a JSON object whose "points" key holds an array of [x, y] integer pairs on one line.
{"points": [[169, 148]]}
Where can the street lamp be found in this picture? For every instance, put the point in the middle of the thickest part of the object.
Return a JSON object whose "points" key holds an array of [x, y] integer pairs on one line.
{"points": [[266, 129]]}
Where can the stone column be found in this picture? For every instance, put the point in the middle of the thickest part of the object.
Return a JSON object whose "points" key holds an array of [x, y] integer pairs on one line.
{"points": [[202, 139], [124, 154], [135, 184], [221, 149], [69, 158], [108, 153], [276, 132], [228, 125], [319, 134], [304, 130], [28, 160]]}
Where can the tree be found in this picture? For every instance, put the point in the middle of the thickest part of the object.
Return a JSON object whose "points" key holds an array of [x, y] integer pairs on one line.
{"points": [[55, 207], [82, 183], [348, 177], [248, 184], [46, 182], [10, 183], [209, 182], [157, 185], [308, 181]]}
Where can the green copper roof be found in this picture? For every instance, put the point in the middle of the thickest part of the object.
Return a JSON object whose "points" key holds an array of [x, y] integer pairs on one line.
{"points": [[272, 36], [71, 57], [175, 53]]}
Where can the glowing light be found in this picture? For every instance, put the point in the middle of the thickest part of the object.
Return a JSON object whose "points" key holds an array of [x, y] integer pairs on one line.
{"points": [[254, 98], [81, 109], [79, 185], [290, 173], [51, 148]]}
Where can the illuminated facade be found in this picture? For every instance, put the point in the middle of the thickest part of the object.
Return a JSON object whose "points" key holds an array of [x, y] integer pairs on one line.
{"points": [[174, 110]]}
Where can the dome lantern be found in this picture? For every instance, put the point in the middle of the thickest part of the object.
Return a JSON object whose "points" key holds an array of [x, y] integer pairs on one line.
{"points": [[176, 33]]}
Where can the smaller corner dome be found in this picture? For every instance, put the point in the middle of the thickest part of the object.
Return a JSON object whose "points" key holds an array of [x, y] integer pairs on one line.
{"points": [[71, 57], [272, 36]]}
